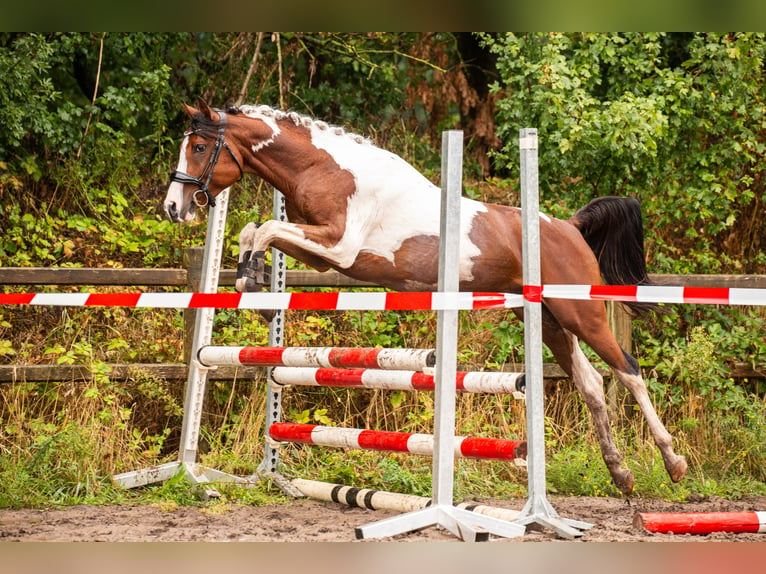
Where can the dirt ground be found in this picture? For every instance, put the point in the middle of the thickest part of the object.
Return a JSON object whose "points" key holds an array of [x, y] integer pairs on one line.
{"points": [[308, 520]]}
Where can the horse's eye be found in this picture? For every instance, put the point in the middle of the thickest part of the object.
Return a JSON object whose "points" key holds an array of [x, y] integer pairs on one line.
{"points": [[199, 148]]}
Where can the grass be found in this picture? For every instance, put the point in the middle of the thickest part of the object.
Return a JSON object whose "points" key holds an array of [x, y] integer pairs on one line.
{"points": [[71, 461]]}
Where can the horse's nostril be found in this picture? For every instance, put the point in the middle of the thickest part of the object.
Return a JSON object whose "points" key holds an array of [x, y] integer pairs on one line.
{"points": [[171, 210]]}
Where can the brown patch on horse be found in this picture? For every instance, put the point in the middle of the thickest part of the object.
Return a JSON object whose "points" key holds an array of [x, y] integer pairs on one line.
{"points": [[420, 252], [497, 234], [305, 203]]}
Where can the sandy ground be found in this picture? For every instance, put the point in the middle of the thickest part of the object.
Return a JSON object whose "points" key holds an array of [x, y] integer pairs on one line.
{"points": [[308, 520]]}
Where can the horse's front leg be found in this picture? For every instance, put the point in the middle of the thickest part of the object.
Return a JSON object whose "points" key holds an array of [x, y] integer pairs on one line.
{"points": [[252, 271], [320, 246]]}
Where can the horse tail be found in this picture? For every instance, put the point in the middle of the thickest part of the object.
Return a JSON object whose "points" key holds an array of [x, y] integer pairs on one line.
{"points": [[614, 230]]}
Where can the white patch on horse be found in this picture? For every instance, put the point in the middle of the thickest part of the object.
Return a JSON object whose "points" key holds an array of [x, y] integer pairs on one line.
{"points": [[393, 202], [584, 374], [175, 193], [266, 115]]}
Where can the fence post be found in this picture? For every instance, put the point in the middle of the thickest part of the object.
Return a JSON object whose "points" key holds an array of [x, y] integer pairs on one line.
{"points": [[192, 261], [620, 323], [538, 509]]}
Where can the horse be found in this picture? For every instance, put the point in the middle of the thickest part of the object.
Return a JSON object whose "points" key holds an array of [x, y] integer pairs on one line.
{"points": [[366, 212]]}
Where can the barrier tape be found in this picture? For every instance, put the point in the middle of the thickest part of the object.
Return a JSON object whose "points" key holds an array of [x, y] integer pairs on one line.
{"points": [[380, 301], [396, 301], [658, 294]]}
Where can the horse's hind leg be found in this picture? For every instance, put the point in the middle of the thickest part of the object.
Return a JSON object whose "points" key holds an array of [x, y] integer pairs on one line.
{"points": [[587, 319], [674, 464], [590, 385]]}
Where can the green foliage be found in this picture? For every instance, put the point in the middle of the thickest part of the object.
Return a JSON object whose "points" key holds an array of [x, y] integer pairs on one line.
{"points": [[715, 413], [579, 471], [380, 328], [613, 112], [26, 88], [52, 456], [403, 479]]}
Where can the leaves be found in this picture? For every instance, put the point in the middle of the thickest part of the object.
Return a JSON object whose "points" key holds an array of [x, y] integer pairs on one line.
{"points": [[636, 114]]}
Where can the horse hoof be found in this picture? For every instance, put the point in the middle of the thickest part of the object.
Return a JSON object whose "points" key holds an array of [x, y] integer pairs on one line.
{"points": [[267, 314], [252, 272], [623, 479], [247, 285], [677, 469]]}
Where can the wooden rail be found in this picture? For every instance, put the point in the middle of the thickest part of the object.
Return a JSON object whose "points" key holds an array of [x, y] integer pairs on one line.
{"points": [[295, 278], [188, 278], [156, 277]]}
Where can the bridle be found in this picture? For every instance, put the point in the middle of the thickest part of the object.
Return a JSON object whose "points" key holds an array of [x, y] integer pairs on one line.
{"points": [[202, 196]]}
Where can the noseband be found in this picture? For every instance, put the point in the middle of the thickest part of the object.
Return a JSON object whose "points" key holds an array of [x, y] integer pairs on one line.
{"points": [[202, 196]]}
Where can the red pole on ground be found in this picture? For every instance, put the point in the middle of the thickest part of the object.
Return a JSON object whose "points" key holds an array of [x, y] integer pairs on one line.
{"points": [[701, 522]]}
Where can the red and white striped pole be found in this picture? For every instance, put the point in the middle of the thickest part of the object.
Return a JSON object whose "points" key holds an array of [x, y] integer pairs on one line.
{"points": [[701, 522], [414, 443], [467, 382], [348, 357]]}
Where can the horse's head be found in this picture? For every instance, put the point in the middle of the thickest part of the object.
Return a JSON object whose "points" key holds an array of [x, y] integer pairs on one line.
{"points": [[202, 172]]}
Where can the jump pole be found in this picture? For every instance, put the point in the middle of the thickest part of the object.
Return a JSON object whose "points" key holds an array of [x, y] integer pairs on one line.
{"points": [[197, 375], [413, 443], [537, 509], [466, 382], [346, 357], [701, 522], [372, 499], [462, 523]]}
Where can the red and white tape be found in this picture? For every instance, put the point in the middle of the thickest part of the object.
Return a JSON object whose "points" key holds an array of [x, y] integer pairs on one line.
{"points": [[658, 294], [374, 301], [397, 301]]}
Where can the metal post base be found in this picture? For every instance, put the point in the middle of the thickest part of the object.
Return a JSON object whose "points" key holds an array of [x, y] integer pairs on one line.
{"points": [[282, 482], [194, 473], [539, 511], [466, 525]]}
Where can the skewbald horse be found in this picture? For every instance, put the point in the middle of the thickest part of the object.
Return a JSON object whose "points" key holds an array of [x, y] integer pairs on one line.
{"points": [[369, 214]]}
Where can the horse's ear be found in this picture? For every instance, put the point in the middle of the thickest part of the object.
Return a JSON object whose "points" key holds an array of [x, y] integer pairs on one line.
{"points": [[211, 114], [190, 111]]}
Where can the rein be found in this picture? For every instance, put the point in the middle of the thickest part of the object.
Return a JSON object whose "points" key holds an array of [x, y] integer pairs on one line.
{"points": [[203, 196]]}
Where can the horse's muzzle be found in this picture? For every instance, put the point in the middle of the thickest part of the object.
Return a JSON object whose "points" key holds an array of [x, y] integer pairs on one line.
{"points": [[177, 216]]}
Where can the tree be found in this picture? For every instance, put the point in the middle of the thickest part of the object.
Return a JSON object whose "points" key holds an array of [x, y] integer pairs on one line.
{"points": [[674, 119]]}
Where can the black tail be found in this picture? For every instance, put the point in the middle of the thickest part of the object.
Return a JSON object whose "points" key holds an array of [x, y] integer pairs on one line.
{"points": [[614, 230]]}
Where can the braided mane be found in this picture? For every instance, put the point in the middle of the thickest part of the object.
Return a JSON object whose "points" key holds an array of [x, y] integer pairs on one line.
{"points": [[299, 120]]}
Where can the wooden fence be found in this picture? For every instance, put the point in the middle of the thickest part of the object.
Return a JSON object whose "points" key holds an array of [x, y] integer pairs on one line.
{"points": [[188, 278]]}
